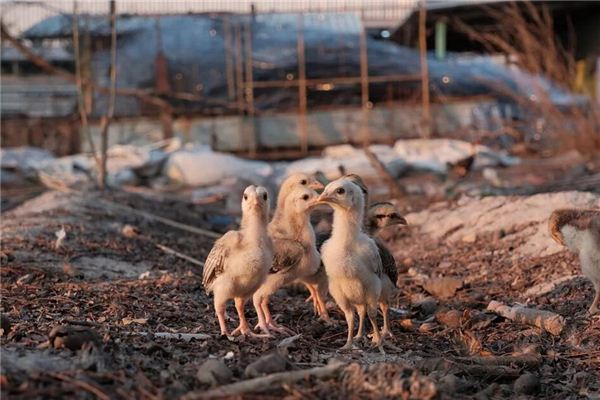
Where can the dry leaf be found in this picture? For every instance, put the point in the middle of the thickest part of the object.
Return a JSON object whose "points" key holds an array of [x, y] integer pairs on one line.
{"points": [[128, 321]]}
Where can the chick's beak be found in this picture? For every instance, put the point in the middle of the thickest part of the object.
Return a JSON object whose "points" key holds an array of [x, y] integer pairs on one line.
{"points": [[316, 185], [325, 198], [400, 220]]}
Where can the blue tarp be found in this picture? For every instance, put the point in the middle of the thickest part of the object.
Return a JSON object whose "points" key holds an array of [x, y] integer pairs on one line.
{"points": [[195, 51]]}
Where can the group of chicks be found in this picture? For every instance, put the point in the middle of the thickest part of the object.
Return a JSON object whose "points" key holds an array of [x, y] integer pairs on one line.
{"points": [[347, 262]]}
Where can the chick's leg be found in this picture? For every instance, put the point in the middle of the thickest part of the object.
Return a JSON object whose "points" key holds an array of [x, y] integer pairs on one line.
{"points": [[594, 307], [362, 311], [220, 311], [349, 314], [313, 297], [243, 328], [271, 322], [372, 312], [262, 322], [321, 292], [385, 310]]}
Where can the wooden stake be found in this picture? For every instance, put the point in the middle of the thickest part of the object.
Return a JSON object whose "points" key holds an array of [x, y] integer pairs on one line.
{"points": [[111, 98], [364, 87], [425, 116], [80, 95], [302, 100]]}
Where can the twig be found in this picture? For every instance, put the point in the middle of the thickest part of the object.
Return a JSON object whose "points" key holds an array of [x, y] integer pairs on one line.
{"points": [[266, 382], [394, 187], [169, 250], [177, 336], [546, 320], [57, 185], [88, 387]]}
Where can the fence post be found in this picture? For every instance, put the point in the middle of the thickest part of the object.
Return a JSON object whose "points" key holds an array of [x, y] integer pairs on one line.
{"points": [[364, 87], [112, 94], [250, 87], [302, 100], [425, 113]]}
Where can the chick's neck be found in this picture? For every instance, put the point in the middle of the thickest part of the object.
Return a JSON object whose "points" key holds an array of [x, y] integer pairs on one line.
{"points": [[255, 225], [347, 224]]}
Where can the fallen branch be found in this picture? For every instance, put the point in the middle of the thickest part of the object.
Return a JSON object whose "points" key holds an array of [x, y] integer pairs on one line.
{"points": [[266, 382], [88, 387], [169, 250], [546, 320], [459, 368], [55, 184], [544, 288], [522, 360], [176, 336]]}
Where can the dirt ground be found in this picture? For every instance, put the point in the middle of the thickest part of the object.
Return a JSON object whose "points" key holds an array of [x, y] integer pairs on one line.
{"points": [[111, 280]]}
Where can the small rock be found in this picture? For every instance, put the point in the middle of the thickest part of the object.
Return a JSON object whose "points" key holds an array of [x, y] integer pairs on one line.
{"points": [[5, 324], [129, 231], [450, 383], [72, 337], [427, 306], [267, 364], [469, 238], [25, 279], [527, 383], [444, 265], [442, 287], [450, 318], [408, 262], [214, 372], [407, 324], [427, 327]]}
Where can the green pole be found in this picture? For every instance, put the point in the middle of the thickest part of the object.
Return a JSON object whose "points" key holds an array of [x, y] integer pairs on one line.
{"points": [[440, 39]]}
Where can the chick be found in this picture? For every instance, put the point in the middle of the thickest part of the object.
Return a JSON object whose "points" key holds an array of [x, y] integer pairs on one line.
{"points": [[351, 258], [295, 253], [579, 230], [239, 261], [381, 216]]}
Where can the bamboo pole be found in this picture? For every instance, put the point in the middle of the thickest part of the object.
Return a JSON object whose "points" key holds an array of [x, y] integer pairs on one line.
{"points": [[250, 88], [364, 87], [239, 69], [83, 116], [112, 95], [302, 93], [425, 115], [228, 58]]}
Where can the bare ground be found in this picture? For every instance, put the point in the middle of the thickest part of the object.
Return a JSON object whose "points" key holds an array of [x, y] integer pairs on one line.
{"points": [[87, 282]]}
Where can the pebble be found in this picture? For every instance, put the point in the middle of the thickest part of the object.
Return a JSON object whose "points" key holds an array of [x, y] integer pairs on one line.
{"points": [[267, 364], [214, 372], [527, 383]]}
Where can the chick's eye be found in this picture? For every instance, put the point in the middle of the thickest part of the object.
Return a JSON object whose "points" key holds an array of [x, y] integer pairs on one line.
{"points": [[340, 191], [303, 182], [265, 197], [245, 197], [305, 197]]}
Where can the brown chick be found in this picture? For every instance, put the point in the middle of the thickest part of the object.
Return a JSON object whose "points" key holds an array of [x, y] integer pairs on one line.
{"points": [[316, 285], [239, 261], [380, 216], [295, 253], [351, 258], [579, 230]]}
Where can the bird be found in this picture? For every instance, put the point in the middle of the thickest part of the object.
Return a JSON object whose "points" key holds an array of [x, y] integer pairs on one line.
{"points": [[380, 216], [579, 231], [295, 254], [351, 258], [239, 261], [316, 284]]}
